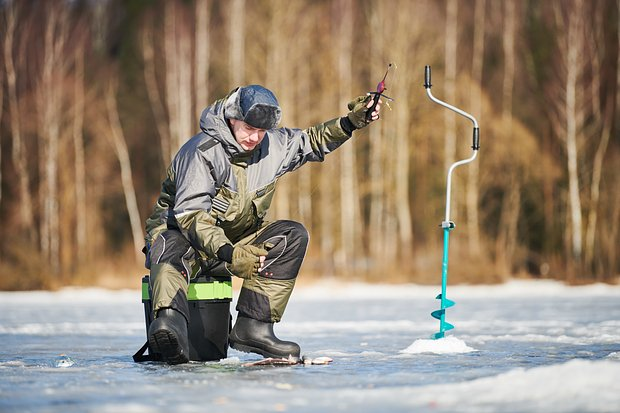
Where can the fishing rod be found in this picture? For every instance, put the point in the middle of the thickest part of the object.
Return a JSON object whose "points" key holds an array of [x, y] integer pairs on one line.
{"points": [[378, 93], [447, 225]]}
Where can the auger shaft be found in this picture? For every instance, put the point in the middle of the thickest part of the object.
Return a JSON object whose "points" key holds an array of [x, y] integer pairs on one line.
{"points": [[448, 225]]}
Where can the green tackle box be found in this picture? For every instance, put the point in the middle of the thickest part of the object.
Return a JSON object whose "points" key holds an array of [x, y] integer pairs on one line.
{"points": [[210, 321]]}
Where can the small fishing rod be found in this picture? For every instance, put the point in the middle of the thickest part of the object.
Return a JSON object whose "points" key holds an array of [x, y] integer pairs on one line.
{"points": [[447, 224], [379, 92]]}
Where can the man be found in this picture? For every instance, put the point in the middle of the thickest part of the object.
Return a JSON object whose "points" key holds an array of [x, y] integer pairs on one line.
{"points": [[209, 218]]}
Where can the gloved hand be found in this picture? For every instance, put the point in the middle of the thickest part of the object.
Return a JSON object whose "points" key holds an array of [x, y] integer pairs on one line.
{"points": [[246, 261], [358, 108]]}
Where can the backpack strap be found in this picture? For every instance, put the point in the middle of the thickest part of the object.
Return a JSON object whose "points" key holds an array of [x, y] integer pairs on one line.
{"points": [[139, 357]]}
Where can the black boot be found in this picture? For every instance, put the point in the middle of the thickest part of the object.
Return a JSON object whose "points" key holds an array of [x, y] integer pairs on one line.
{"points": [[168, 336], [253, 336]]}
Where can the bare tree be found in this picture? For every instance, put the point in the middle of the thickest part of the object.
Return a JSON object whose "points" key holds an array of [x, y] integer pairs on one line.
{"points": [[152, 89], [201, 57], [606, 117], [473, 220], [349, 221], [78, 144], [122, 153], [49, 105], [376, 242], [507, 233], [277, 77], [574, 48], [236, 34], [19, 158], [450, 83]]}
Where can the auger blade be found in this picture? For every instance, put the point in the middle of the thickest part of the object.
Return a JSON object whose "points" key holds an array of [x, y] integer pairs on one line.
{"points": [[438, 313], [443, 327], [447, 326], [445, 303]]}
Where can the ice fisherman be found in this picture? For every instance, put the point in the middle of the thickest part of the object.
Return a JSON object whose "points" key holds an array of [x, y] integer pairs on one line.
{"points": [[209, 218]]}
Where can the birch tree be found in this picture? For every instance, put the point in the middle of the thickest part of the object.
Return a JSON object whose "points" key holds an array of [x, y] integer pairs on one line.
{"points": [[376, 242], [573, 48], [473, 220], [122, 154], [49, 107], [236, 35], [277, 78], [201, 58], [349, 223], [154, 95], [605, 115], [450, 83], [18, 153], [507, 233], [78, 144]]}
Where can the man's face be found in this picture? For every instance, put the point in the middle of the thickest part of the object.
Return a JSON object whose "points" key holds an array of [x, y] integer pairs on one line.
{"points": [[247, 136]]}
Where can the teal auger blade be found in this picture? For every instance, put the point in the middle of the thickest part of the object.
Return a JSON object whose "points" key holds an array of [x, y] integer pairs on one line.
{"points": [[441, 316], [445, 303], [438, 313]]}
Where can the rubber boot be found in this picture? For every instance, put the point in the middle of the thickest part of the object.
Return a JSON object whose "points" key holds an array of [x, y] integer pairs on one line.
{"points": [[168, 336], [253, 336]]}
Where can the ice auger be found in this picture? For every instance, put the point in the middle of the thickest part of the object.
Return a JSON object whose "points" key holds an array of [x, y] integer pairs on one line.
{"points": [[448, 225]]}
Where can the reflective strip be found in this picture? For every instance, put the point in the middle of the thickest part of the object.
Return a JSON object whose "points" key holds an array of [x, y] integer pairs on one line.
{"points": [[215, 290], [220, 205]]}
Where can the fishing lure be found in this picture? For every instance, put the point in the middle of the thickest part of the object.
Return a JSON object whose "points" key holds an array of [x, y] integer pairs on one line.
{"points": [[379, 92]]}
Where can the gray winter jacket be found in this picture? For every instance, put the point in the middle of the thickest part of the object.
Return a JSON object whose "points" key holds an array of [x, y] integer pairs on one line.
{"points": [[216, 193]]}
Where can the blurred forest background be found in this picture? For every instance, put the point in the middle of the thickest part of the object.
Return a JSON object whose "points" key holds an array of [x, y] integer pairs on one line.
{"points": [[96, 96]]}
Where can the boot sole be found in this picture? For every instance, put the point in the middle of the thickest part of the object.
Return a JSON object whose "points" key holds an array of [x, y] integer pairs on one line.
{"points": [[166, 344]]}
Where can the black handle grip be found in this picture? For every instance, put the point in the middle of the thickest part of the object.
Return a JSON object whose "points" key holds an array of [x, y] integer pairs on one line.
{"points": [[476, 141], [375, 101], [427, 77]]}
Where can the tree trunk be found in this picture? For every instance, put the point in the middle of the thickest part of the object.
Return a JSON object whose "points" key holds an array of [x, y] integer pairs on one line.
{"points": [[574, 48], [450, 85], [236, 24], [376, 242], [50, 119], [19, 158], [277, 79], [473, 220], [80, 168], [349, 226], [202, 54], [122, 153], [607, 119], [507, 237], [152, 89]]}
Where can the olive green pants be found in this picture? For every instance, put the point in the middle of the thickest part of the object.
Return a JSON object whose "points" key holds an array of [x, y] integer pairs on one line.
{"points": [[173, 263]]}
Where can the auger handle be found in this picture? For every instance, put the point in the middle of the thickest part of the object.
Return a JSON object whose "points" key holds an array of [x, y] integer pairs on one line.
{"points": [[427, 77]]}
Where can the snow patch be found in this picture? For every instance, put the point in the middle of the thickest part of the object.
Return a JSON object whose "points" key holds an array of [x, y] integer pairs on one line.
{"points": [[446, 345]]}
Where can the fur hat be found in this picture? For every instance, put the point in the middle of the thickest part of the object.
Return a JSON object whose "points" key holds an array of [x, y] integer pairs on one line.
{"points": [[255, 105]]}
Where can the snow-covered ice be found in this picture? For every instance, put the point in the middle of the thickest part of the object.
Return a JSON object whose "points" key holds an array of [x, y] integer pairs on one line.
{"points": [[522, 346]]}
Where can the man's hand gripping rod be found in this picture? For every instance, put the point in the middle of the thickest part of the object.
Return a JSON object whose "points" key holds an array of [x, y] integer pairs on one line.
{"points": [[448, 225]]}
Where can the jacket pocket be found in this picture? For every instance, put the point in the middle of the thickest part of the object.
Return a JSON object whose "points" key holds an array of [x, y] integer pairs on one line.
{"points": [[262, 199]]}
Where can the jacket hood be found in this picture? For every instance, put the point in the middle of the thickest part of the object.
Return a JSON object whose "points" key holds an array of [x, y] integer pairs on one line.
{"points": [[214, 124]]}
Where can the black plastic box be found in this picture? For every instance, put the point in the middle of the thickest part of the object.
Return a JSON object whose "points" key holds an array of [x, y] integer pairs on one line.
{"points": [[209, 311]]}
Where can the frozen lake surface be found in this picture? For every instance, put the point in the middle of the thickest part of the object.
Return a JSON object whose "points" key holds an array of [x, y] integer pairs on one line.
{"points": [[523, 346]]}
